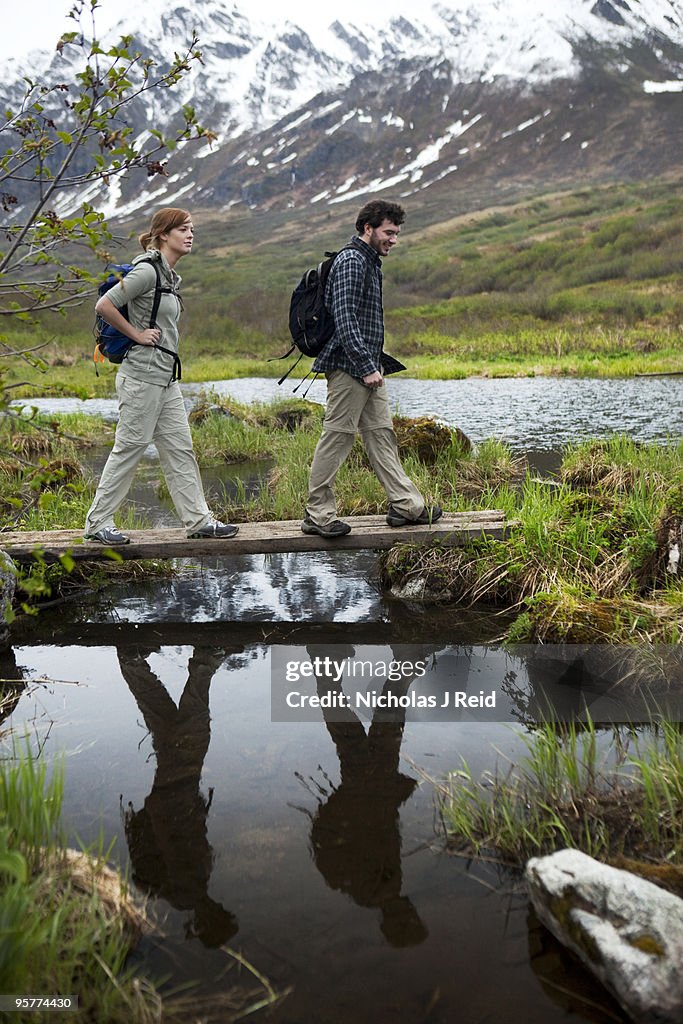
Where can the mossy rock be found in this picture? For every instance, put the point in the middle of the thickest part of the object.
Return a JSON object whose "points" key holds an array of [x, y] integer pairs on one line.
{"points": [[425, 438], [667, 876], [422, 437], [204, 410], [294, 414]]}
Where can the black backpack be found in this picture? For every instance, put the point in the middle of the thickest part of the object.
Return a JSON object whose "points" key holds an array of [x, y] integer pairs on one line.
{"points": [[311, 324], [112, 344]]}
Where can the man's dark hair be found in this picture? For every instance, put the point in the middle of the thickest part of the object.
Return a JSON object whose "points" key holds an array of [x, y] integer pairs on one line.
{"points": [[376, 212]]}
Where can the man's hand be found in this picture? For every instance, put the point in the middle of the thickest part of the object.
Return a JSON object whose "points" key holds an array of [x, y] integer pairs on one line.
{"points": [[373, 380]]}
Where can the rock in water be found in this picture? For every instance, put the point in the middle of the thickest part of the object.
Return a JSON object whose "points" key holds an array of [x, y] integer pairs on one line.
{"points": [[626, 930]]}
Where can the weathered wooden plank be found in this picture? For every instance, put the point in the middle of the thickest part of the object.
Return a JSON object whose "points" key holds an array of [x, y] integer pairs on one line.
{"points": [[368, 532]]}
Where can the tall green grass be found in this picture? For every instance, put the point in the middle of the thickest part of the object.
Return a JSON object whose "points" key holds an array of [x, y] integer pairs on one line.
{"points": [[582, 561], [572, 790], [58, 933]]}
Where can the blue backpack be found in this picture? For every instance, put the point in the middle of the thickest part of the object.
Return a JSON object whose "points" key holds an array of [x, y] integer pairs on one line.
{"points": [[110, 343]]}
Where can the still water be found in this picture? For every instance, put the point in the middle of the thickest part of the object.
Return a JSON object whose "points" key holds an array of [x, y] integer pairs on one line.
{"points": [[528, 413], [314, 847]]}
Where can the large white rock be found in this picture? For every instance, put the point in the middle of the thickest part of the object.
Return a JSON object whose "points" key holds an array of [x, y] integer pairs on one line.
{"points": [[628, 931]]}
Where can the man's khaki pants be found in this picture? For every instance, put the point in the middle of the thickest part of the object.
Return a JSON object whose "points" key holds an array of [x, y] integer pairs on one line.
{"points": [[150, 413], [352, 407]]}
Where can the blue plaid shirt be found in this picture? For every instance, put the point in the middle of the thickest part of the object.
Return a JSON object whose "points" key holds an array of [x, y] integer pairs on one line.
{"points": [[353, 295]]}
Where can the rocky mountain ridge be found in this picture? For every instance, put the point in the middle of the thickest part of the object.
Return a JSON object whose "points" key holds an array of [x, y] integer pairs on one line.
{"points": [[454, 98]]}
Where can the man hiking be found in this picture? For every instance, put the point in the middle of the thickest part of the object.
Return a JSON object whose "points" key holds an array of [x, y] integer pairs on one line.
{"points": [[355, 364]]}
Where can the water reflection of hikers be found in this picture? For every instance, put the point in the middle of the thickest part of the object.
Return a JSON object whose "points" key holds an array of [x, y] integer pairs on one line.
{"points": [[355, 835], [167, 838]]}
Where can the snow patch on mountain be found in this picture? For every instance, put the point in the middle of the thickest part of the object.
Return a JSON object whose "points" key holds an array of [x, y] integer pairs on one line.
{"points": [[654, 87], [258, 71], [291, 93]]}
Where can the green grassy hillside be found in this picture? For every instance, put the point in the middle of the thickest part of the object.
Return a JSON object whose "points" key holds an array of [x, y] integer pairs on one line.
{"points": [[582, 282]]}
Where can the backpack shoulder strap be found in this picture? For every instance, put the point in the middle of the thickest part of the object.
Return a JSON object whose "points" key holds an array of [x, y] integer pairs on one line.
{"points": [[158, 290]]}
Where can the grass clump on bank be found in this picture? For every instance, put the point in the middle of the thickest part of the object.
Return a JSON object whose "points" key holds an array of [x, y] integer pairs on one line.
{"points": [[572, 790], [589, 557], [67, 922], [228, 431]]}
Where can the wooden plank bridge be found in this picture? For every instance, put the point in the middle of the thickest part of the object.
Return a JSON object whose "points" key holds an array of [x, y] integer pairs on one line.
{"points": [[367, 533]]}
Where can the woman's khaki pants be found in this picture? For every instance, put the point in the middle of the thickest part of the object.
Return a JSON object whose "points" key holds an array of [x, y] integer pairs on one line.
{"points": [[150, 413]]}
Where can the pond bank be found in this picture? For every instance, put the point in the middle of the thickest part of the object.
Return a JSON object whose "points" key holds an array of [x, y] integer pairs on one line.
{"points": [[594, 558], [529, 414]]}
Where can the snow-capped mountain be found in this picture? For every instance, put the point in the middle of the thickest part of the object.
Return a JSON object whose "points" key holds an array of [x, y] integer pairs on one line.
{"points": [[457, 94]]}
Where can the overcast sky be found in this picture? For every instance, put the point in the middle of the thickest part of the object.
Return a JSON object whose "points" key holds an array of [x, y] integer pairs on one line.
{"points": [[27, 24]]}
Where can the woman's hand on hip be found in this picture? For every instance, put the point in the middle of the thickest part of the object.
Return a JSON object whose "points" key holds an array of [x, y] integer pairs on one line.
{"points": [[150, 336]]}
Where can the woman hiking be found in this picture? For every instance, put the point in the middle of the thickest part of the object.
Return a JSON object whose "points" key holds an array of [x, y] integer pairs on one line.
{"points": [[151, 407]]}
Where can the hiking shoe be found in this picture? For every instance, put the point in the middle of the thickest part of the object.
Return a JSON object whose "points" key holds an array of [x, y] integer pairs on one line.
{"points": [[214, 528], [107, 535], [426, 517], [334, 529]]}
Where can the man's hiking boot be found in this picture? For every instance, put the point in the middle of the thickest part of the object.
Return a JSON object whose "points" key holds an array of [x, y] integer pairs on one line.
{"points": [[426, 517], [107, 535], [214, 528], [334, 529]]}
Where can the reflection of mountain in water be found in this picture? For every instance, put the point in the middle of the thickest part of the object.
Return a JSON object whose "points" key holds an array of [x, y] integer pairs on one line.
{"points": [[296, 587]]}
